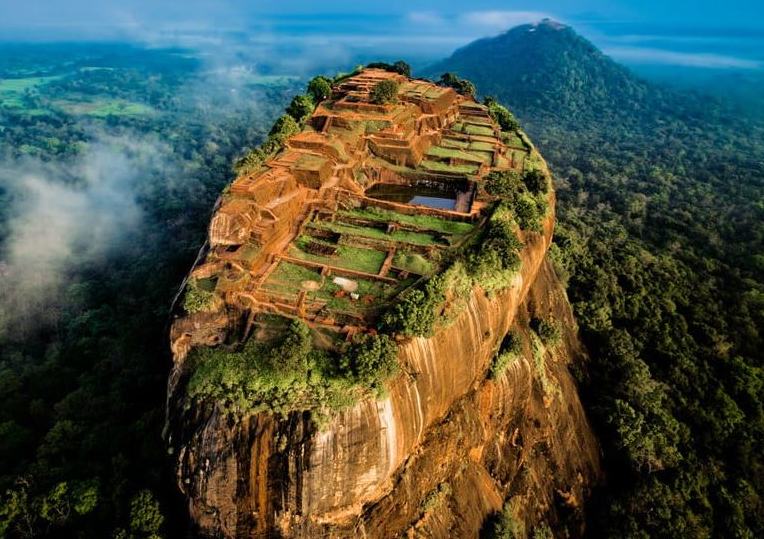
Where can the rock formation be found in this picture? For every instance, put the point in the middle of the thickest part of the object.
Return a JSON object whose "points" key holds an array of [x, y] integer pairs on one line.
{"points": [[368, 201]]}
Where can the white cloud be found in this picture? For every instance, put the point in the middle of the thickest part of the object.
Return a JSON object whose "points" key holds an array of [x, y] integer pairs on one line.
{"points": [[644, 55], [501, 19], [429, 18]]}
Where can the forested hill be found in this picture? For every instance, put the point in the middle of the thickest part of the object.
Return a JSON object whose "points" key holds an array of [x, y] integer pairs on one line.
{"points": [[660, 234], [547, 67]]}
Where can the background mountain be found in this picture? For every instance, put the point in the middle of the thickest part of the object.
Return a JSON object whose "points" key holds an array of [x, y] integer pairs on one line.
{"points": [[660, 229], [547, 66]]}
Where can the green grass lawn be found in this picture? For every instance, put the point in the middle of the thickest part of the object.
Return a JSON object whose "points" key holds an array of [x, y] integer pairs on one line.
{"points": [[481, 146], [436, 224], [447, 142], [405, 236], [436, 166], [472, 129], [413, 262], [454, 153], [12, 90], [352, 258], [103, 108], [293, 273], [512, 139]]}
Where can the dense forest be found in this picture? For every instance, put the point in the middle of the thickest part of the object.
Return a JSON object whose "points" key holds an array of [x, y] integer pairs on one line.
{"points": [[660, 239], [83, 350]]}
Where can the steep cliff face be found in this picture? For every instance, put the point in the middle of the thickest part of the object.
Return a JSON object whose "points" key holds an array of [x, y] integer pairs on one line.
{"points": [[373, 467], [437, 455]]}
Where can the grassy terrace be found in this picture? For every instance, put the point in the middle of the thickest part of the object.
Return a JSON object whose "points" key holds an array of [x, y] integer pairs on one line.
{"points": [[414, 263], [403, 236], [455, 153], [289, 279], [474, 145], [472, 129], [512, 139], [437, 166], [426, 222], [352, 258]]}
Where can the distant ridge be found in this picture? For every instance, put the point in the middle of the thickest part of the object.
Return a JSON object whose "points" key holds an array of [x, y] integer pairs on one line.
{"points": [[546, 67]]}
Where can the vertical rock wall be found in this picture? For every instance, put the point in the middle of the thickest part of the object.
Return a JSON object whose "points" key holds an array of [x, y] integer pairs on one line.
{"points": [[370, 469]]}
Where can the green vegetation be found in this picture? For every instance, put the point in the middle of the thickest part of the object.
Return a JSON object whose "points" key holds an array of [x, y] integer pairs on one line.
{"points": [[405, 236], [399, 67], [83, 370], [384, 92], [504, 524], [526, 195], [497, 258], [145, 517], [504, 184], [283, 128], [436, 224], [548, 329], [413, 262], [491, 263], [452, 153], [462, 86], [438, 166], [352, 258], [21, 514], [290, 375], [297, 114], [197, 299], [279, 377], [660, 230], [370, 361], [501, 115], [536, 182], [13, 91], [509, 351], [301, 108], [320, 88]]}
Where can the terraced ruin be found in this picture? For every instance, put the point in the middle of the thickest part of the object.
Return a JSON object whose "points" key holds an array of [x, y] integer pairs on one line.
{"points": [[358, 341], [362, 204]]}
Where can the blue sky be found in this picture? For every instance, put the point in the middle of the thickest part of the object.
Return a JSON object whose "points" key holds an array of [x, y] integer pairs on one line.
{"points": [[671, 32]]}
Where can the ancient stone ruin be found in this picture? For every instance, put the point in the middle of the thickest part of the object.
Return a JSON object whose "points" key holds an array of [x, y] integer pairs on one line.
{"points": [[367, 203], [359, 194]]}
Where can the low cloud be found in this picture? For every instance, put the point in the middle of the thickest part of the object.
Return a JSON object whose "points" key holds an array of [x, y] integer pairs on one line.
{"points": [[429, 18], [496, 20], [644, 55], [62, 218]]}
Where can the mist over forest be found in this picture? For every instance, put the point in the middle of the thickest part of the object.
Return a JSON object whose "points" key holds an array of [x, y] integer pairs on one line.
{"points": [[119, 130]]}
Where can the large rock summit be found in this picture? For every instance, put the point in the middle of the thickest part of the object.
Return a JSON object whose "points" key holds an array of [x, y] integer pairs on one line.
{"points": [[374, 342]]}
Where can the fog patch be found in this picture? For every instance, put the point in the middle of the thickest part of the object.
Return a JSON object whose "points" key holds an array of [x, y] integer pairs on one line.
{"points": [[63, 218]]}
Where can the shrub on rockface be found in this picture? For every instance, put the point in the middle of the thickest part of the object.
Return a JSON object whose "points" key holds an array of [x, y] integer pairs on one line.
{"points": [[385, 91], [197, 300], [301, 107], [536, 181], [399, 67], [462, 86], [280, 377], [509, 350], [530, 211], [283, 128], [414, 312], [370, 360], [501, 115], [548, 329], [320, 88], [505, 184]]}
